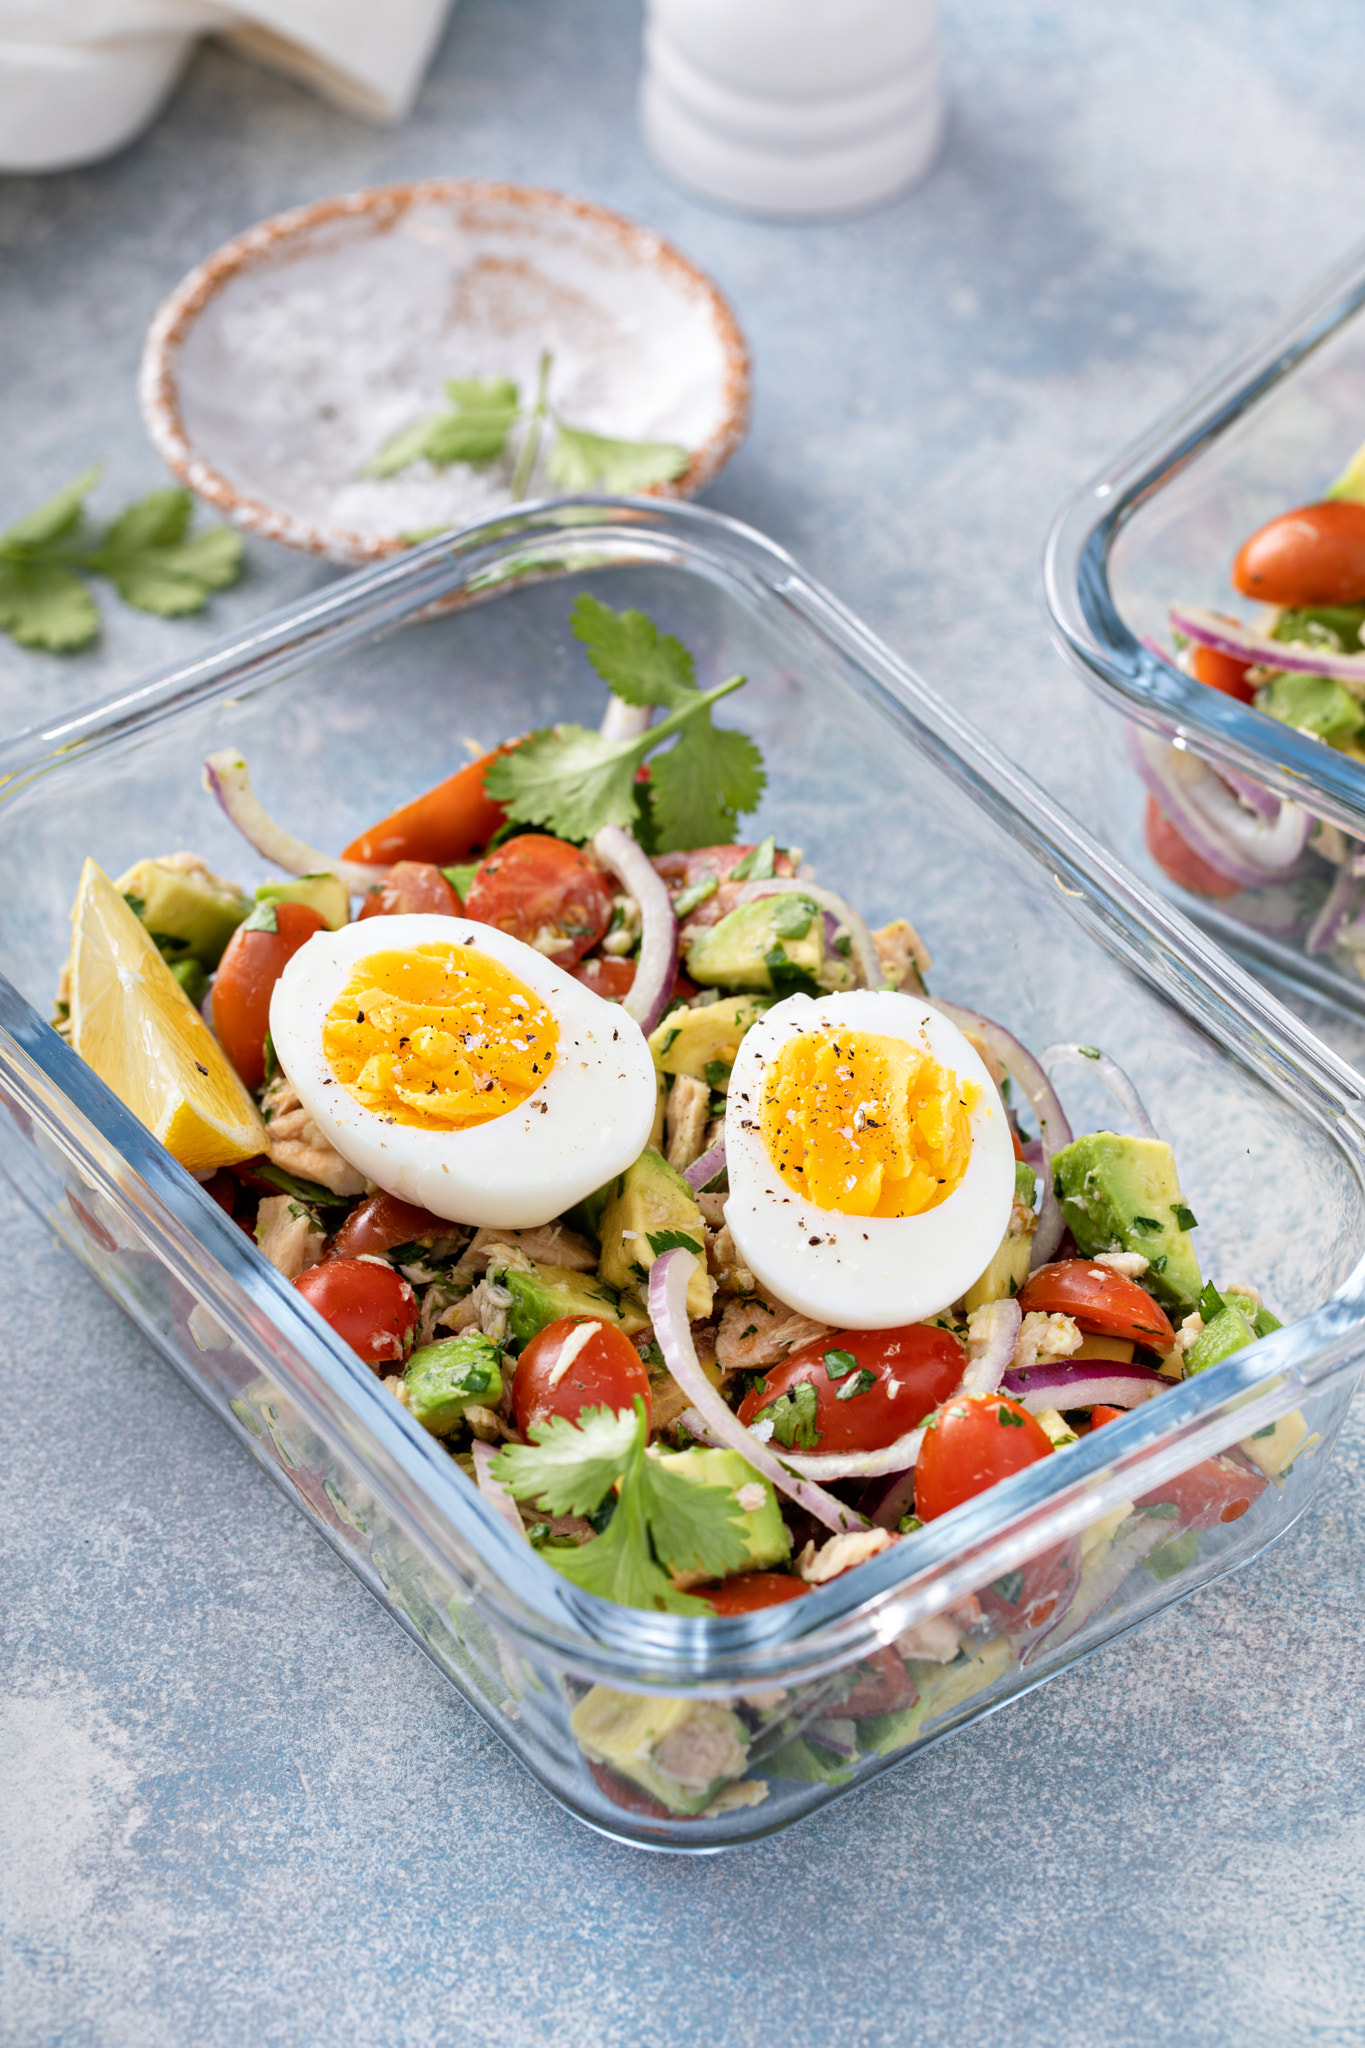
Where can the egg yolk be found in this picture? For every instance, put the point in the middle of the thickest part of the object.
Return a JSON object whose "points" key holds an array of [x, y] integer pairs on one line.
{"points": [[441, 1037], [866, 1125]]}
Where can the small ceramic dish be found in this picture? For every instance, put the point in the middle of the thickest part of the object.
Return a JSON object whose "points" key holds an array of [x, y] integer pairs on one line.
{"points": [[282, 365]]}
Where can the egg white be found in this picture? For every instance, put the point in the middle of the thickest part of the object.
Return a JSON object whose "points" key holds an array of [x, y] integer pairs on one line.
{"points": [[864, 1272], [590, 1117]]}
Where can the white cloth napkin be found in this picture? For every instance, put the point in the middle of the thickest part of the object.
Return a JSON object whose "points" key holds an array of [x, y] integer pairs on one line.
{"points": [[80, 78]]}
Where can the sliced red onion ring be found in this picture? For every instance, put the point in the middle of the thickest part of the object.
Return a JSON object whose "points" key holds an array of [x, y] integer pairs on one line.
{"points": [[1342, 902], [1112, 1075], [897, 1457], [1084, 1383], [1254, 794], [657, 966], [622, 721], [704, 1170], [1235, 840], [1244, 643], [864, 952], [226, 776], [1053, 1129], [992, 1333], [897, 1501], [668, 1280], [493, 1490]]}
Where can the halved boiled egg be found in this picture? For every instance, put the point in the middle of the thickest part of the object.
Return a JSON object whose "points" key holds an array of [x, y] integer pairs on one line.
{"points": [[460, 1069], [871, 1165]]}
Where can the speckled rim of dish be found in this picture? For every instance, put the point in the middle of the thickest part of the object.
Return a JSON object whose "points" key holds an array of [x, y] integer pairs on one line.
{"points": [[159, 392]]}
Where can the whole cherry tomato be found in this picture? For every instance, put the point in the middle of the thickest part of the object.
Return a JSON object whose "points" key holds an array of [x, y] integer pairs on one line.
{"points": [[1100, 1302], [411, 886], [1214, 1491], [871, 1386], [977, 1440], [446, 825], [1223, 672], [1177, 858], [750, 1591], [382, 1222], [252, 964], [537, 888], [1313, 555], [370, 1307], [573, 1364]]}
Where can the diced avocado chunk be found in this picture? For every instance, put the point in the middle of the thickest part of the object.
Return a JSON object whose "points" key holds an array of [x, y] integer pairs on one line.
{"points": [[689, 1041], [586, 1216], [681, 1751], [1123, 1194], [1316, 704], [1227, 1333], [541, 1294], [1275, 1448], [442, 1380], [776, 943], [1344, 622], [652, 1210], [323, 893], [766, 1534], [189, 912]]}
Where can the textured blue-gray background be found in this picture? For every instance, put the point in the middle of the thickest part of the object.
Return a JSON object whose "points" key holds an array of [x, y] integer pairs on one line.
{"points": [[236, 1806]]}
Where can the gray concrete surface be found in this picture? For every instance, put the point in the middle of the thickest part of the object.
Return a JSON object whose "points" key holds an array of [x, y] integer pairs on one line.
{"points": [[237, 1806]]}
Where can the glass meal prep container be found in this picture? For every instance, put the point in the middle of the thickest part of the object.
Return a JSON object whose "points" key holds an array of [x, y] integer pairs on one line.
{"points": [[1270, 431], [363, 695]]}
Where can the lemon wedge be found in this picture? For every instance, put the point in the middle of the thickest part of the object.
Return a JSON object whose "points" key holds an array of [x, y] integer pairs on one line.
{"points": [[133, 1023]]}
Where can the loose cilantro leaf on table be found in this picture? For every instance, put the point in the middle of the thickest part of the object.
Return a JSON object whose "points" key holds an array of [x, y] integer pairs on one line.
{"points": [[155, 564], [661, 1523]]}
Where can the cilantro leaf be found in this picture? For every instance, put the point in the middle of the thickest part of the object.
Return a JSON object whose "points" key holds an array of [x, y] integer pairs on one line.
{"points": [[483, 410], [701, 785], [634, 659], [45, 604], [569, 1468], [793, 1417], [148, 557], [695, 1528], [580, 461], [619, 1565], [575, 782], [52, 522]]}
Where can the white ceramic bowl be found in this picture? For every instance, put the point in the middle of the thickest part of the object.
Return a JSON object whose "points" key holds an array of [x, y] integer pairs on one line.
{"points": [[289, 357]]}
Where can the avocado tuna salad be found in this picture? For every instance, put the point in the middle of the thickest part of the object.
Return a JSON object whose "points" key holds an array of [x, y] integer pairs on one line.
{"points": [[718, 1253]]}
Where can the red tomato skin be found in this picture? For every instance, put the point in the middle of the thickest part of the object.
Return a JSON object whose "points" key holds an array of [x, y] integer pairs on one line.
{"points": [[245, 982], [1178, 860], [535, 884], [924, 1363], [1048, 1583], [883, 1690], [412, 886], [1211, 1492], [370, 1307], [1223, 672], [445, 825], [750, 1592], [381, 1222], [966, 1449], [606, 977], [1102, 1304], [1312, 555], [681, 870], [1099, 1416], [607, 1373]]}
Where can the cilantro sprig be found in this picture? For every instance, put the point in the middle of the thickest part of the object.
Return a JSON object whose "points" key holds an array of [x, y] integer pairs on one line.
{"points": [[662, 1522], [573, 782], [147, 553], [479, 419]]}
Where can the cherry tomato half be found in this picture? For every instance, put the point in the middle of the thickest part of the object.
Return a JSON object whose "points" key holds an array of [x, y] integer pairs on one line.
{"points": [[1215, 1491], [1223, 672], [911, 1370], [1026, 1600], [884, 1686], [1313, 555], [411, 886], [252, 964], [443, 826], [974, 1442], [561, 1372], [750, 1591], [370, 1307], [1101, 1302], [382, 1222], [1177, 858], [611, 979], [536, 887]]}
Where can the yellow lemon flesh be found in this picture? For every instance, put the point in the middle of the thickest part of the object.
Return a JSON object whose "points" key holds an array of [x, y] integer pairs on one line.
{"points": [[866, 1125], [133, 1023]]}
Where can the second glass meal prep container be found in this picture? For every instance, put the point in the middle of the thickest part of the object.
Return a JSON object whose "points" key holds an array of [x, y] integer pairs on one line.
{"points": [[1270, 431], [351, 702]]}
